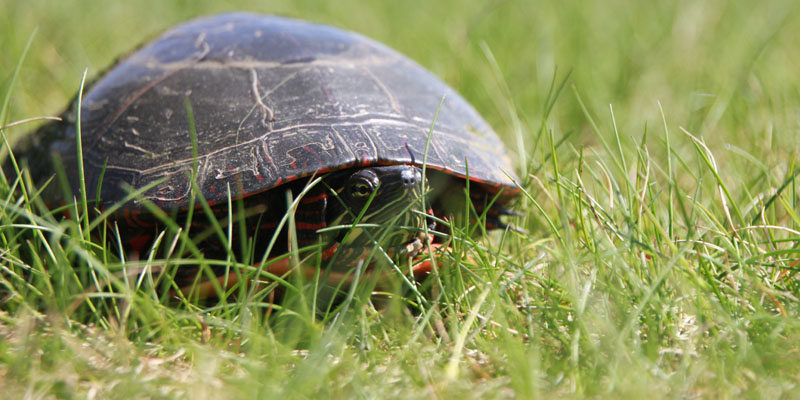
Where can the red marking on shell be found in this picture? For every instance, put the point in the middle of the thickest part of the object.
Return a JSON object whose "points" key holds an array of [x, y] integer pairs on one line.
{"points": [[314, 154], [130, 217], [126, 213], [138, 243], [311, 227], [314, 199], [268, 225], [134, 217]]}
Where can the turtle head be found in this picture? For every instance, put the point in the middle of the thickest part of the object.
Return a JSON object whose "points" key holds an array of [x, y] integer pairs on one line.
{"points": [[388, 200]]}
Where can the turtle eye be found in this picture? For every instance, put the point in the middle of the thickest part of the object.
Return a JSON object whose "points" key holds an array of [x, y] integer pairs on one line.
{"points": [[361, 188]]}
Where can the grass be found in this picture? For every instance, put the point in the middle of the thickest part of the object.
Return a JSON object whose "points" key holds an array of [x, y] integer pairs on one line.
{"points": [[658, 147]]}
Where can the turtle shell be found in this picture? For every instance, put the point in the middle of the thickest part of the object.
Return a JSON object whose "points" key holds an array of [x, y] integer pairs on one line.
{"points": [[273, 100]]}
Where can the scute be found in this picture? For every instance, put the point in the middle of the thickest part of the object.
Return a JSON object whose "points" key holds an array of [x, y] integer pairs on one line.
{"points": [[273, 99]]}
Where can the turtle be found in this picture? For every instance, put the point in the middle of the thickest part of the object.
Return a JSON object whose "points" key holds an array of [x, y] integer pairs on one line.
{"points": [[245, 108]]}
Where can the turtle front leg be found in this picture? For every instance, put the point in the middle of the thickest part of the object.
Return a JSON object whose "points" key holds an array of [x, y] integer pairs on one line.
{"points": [[417, 246]]}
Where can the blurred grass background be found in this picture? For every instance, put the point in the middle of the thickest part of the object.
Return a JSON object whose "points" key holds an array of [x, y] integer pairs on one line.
{"points": [[719, 66], [726, 71]]}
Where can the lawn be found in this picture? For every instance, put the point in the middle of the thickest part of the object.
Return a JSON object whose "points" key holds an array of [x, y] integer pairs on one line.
{"points": [[657, 145]]}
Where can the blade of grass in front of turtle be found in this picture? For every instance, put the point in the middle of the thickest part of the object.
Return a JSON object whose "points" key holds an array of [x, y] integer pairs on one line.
{"points": [[431, 253], [146, 271], [211, 217], [230, 258], [241, 220], [84, 218], [263, 265], [305, 311], [99, 185], [192, 193]]}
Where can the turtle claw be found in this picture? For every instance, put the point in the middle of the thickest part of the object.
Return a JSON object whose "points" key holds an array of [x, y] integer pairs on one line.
{"points": [[413, 248], [493, 219]]}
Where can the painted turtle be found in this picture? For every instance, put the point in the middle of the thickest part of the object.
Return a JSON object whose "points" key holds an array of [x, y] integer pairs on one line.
{"points": [[276, 101]]}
